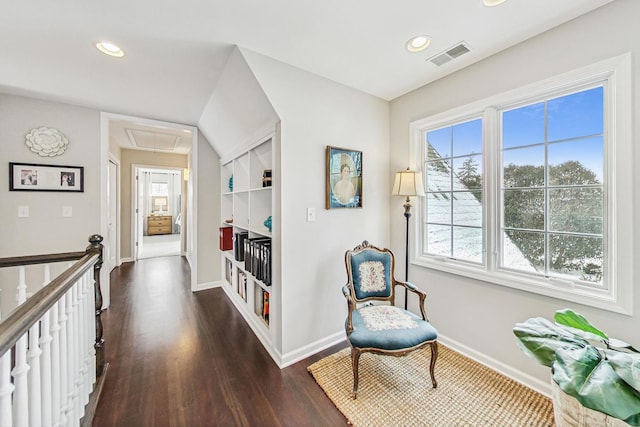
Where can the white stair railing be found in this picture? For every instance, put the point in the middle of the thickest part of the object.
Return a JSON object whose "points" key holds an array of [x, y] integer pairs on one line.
{"points": [[53, 338]]}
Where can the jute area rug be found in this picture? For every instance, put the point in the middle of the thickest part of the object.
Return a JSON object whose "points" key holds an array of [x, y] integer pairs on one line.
{"points": [[397, 391]]}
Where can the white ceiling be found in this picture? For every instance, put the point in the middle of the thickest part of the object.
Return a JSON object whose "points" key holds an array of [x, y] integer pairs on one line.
{"points": [[175, 51]]}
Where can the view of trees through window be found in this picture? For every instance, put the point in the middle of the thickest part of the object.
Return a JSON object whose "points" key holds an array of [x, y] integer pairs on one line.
{"points": [[551, 188], [552, 184]]}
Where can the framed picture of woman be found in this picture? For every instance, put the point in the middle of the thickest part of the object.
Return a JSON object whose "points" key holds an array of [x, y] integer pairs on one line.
{"points": [[343, 178]]}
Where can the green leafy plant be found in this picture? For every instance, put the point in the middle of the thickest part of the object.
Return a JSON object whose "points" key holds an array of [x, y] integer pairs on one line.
{"points": [[602, 373]]}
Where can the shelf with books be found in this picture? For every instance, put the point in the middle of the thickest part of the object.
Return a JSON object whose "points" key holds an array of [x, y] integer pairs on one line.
{"points": [[261, 304], [228, 271], [249, 207], [241, 285]]}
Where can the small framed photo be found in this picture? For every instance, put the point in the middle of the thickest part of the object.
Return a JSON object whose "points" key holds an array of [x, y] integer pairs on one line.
{"points": [[37, 177], [343, 178]]}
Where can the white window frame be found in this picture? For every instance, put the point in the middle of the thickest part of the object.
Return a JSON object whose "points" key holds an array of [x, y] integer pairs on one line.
{"points": [[617, 293]]}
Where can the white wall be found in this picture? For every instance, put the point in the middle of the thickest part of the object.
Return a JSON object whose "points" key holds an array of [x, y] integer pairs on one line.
{"points": [[208, 195], [316, 112], [481, 315], [45, 230]]}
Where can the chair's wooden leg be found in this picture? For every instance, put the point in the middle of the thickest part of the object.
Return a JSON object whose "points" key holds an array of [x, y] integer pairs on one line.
{"points": [[355, 357], [432, 365]]}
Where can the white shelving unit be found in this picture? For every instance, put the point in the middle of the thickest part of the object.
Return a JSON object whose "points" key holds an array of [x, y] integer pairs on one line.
{"points": [[245, 206]]}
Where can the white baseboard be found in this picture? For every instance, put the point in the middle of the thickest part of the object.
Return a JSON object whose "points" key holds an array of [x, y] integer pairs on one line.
{"points": [[502, 368], [310, 349], [208, 285], [284, 360], [125, 259], [258, 329]]}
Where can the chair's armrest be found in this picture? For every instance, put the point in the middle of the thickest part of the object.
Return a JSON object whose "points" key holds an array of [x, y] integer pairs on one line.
{"points": [[346, 291], [422, 295]]}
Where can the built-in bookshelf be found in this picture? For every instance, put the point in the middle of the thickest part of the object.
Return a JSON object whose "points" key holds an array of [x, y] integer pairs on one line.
{"points": [[246, 205]]}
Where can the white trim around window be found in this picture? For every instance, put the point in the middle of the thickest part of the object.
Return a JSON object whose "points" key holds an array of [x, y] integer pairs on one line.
{"points": [[617, 293]]}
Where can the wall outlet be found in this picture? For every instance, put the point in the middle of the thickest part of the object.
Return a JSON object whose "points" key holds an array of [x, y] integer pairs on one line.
{"points": [[311, 214]]}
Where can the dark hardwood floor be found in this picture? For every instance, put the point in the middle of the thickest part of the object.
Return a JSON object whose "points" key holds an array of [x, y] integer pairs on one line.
{"points": [[179, 358]]}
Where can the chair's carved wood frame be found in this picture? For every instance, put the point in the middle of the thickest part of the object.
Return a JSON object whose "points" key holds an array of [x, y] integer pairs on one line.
{"points": [[352, 302]]}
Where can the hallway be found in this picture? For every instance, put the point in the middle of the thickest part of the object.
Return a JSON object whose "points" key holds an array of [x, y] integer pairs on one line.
{"points": [[179, 358], [160, 245]]}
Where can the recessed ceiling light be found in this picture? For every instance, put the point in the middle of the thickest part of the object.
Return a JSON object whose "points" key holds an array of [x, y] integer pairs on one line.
{"points": [[493, 2], [418, 43], [110, 49]]}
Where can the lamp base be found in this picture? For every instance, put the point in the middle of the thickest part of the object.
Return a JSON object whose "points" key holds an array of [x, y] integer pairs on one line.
{"points": [[407, 215]]}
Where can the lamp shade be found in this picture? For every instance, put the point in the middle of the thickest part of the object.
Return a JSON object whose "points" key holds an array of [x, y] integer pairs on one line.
{"points": [[408, 183]]}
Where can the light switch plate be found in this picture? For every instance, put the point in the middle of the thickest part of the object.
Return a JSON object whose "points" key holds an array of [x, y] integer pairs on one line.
{"points": [[23, 211], [67, 211]]}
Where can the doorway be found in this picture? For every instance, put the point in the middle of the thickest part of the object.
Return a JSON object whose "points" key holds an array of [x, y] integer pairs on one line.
{"points": [[159, 212], [122, 134]]}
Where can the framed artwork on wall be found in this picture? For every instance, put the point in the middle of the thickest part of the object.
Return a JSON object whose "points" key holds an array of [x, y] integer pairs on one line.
{"points": [[343, 178], [37, 177]]}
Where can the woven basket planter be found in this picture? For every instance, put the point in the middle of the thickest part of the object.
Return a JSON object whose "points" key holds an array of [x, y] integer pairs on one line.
{"points": [[568, 412]]}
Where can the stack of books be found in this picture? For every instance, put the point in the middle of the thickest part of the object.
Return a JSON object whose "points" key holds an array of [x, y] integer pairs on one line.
{"points": [[256, 254], [257, 258]]}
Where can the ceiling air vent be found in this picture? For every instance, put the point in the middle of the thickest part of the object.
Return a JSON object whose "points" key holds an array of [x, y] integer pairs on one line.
{"points": [[449, 54]]}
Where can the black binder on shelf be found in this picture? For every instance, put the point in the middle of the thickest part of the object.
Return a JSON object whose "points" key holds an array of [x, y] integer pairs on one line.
{"points": [[257, 257], [238, 245], [264, 263]]}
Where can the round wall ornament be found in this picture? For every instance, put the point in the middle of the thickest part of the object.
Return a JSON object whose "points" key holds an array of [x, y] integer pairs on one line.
{"points": [[46, 142]]}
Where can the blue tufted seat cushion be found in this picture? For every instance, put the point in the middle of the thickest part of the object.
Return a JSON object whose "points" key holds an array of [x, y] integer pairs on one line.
{"points": [[389, 327]]}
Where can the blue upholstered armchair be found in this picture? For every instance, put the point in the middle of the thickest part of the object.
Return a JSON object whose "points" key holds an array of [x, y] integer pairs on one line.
{"points": [[381, 327]]}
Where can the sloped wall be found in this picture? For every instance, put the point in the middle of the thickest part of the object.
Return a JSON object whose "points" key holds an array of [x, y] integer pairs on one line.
{"points": [[238, 112]]}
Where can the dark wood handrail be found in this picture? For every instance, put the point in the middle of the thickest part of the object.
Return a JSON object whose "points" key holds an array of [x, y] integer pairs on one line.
{"points": [[28, 313], [40, 259]]}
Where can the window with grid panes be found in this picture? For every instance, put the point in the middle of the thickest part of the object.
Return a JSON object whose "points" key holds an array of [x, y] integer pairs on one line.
{"points": [[532, 188]]}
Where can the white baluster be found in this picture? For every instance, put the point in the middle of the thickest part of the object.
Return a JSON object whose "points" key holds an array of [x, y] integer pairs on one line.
{"points": [[35, 390], [62, 319], [84, 337], [77, 399], [21, 393], [6, 390], [70, 358], [55, 367], [21, 290], [20, 370], [82, 391], [91, 330], [45, 359]]}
